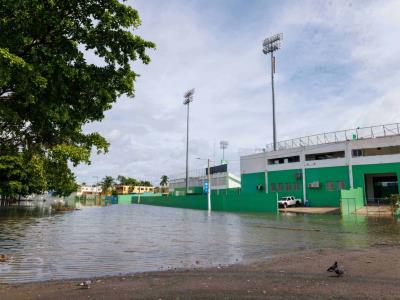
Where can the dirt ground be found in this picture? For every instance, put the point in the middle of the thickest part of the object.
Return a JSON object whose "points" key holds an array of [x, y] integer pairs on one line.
{"points": [[369, 274]]}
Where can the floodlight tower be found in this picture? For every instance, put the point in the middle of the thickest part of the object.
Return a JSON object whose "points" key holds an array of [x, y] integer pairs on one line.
{"points": [[188, 97], [223, 145], [270, 45]]}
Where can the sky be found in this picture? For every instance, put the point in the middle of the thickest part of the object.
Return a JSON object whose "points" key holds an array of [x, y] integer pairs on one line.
{"points": [[338, 68]]}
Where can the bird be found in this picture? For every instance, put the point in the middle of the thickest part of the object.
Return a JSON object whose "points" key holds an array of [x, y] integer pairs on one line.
{"points": [[339, 272], [333, 267], [85, 284]]}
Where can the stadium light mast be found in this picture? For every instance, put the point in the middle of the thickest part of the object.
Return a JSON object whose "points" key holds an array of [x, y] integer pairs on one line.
{"points": [[188, 97], [270, 45], [223, 145]]}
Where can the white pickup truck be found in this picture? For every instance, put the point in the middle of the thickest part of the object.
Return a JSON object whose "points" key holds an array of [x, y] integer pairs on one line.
{"points": [[289, 201]]}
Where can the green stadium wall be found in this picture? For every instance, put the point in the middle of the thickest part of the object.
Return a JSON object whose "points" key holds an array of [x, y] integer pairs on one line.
{"points": [[249, 183], [359, 172], [288, 178], [322, 197]]}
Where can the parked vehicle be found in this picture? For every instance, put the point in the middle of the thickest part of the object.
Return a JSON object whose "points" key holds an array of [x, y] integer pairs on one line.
{"points": [[289, 201]]}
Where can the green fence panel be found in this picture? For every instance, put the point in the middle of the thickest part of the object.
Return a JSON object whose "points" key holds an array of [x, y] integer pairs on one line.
{"points": [[221, 200], [190, 201], [351, 200], [111, 200], [234, 202], [124, 199]]}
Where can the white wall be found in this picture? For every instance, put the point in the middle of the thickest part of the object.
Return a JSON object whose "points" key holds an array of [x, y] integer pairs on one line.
{"points": [[258, 162], [253, 163]]}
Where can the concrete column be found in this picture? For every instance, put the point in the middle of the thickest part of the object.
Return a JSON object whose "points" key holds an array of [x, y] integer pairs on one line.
{"points": [[304, 184], [303, 171], [266, 173], [350, 164]]}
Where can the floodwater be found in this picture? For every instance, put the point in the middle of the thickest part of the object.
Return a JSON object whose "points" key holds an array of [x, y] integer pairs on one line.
{"points": [[123, 239]]}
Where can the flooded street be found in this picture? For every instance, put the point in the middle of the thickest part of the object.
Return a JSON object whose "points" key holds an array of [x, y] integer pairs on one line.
{"points": [[122, 239]]}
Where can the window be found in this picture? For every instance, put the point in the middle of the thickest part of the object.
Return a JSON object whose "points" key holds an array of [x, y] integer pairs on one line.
{"points": [[330, 186], [327, 155], [284, 160], [340, 185], [288, 187], [376, 151], [357, 153], [296, 186], [280, 187], [273, 187]]}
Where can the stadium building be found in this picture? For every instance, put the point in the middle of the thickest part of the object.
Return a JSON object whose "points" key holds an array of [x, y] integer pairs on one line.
{"points": [[315, 168]]}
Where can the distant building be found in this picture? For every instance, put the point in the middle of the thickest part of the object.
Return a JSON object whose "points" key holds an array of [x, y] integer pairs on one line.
{"points": [[128, 189], [88, 190], [220, 179]]}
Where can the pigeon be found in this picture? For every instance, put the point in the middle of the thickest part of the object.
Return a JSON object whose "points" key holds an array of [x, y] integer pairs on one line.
{"points": [[333, 267], [85, 284], [339, 272]]}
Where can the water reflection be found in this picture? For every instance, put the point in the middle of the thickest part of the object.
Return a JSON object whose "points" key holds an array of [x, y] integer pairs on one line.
{"points": [[123, 239]]}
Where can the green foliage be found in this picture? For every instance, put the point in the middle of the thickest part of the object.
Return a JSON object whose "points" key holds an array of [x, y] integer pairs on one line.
{"points": [[145, 183], [49, 89], [164, 180], [132, 181], [21, 174], [127, 180], [107, 184], [395, 203]]}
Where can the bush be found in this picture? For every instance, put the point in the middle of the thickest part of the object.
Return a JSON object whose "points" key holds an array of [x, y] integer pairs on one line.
{"points": [[395, 203]]}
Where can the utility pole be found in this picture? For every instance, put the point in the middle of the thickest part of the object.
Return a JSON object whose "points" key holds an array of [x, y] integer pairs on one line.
{"points": [[188, 98], [209, 186], [209, 183], [270, 45]]}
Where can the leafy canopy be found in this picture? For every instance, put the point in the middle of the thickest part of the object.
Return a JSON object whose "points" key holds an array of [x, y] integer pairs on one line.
{"points": [[49, 89], [132, 181], [164, 180]]}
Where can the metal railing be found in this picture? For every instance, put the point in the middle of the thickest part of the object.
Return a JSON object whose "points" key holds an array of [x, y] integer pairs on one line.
{"points": [[193, 173], [338, 136]]}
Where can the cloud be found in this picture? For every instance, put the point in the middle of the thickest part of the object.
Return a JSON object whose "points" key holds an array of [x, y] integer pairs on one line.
{"points": [[338, 68]]}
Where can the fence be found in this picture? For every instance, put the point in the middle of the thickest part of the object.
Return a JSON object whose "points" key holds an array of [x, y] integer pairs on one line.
{"points": [[351, 200], [230, 200]]}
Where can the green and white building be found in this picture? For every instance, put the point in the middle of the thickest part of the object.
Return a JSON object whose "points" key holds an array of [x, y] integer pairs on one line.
{"points": [[315, 168], [221, 179]]}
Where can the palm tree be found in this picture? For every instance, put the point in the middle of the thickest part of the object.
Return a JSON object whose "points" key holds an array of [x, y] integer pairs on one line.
{"points": [[107, 184], [164, 180], [164, 183]]}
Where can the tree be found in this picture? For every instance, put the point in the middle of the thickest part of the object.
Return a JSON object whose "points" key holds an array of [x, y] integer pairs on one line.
{"points": [[49, 88], [164, 183], [127, 180], [20, 175], [145, 183], [164, 180], [107, 184]]}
